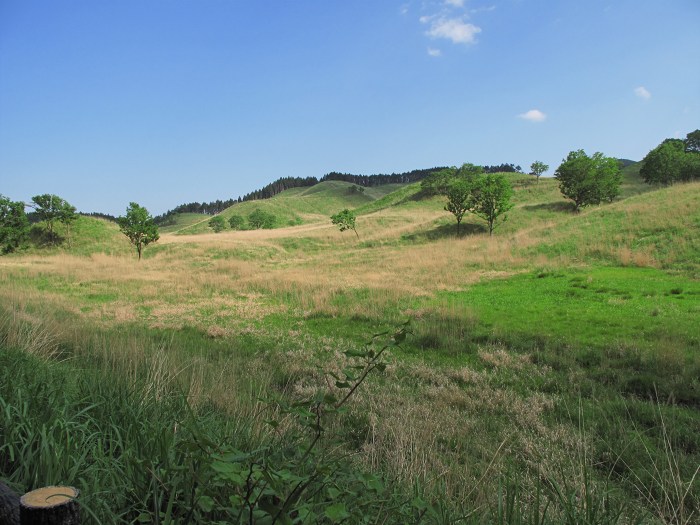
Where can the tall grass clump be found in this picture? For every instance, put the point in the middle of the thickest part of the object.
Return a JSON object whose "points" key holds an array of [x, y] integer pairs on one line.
{"points": [[138, 451]]}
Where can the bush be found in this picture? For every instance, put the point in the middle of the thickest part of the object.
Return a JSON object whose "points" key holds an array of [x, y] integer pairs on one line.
{"points": [[261, 219], [217, 223], [237, 222]]}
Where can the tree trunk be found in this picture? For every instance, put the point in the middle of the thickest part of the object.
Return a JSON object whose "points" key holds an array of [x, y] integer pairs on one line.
{"points": [[9, 506], [50, 506]]}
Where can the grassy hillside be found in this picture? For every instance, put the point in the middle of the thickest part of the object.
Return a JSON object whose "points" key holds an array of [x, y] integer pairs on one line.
{"points": [[552, 368], [302, 205], [85, 236], [179, 221]]}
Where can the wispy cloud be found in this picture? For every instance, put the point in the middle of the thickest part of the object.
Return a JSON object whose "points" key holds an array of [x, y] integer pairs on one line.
{"points": [[642, 92], [433, 52], [455, 3], [487, 9], [534, 115], [454, 29]]}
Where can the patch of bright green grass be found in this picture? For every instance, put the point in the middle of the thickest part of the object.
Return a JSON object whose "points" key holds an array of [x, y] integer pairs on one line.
{"points": [[598, 307]]}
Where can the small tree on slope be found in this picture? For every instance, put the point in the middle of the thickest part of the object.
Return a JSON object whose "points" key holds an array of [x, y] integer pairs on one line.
{"points": [[490, 199], [345, 220], [138, 226]]}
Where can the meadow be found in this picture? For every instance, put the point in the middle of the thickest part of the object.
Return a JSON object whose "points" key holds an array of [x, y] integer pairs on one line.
{"points": [[549, 374]]}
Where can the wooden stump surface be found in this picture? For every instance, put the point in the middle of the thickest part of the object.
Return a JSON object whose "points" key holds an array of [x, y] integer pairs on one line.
{"points": [[50, 506]]}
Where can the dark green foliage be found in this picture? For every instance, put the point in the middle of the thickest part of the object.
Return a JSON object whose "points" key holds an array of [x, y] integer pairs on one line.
{"points": [[673, 160], [438, 183], [381, 179], [52, 209], [14, 225], [589, 180], [664, 164], [217, 223], [489, 199], [692, 142], [138, 226], [261, 219], [345, 220], [237, 222]]}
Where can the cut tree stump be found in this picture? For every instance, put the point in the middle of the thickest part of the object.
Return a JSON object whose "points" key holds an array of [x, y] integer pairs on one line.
{"points": [[50, 506]]}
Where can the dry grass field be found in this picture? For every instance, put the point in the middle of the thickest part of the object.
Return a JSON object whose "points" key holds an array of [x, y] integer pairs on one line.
{"points": [[496, 379]]}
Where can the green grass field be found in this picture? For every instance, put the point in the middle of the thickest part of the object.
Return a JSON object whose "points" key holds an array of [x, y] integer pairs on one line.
{"points": [[550, 373]]}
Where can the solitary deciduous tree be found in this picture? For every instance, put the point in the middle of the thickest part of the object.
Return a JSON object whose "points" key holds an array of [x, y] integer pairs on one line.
{"points": [[345, 220], [537, 168], [489, 199], [138, 226], [51, 209], [589, 180], [14, 225]]}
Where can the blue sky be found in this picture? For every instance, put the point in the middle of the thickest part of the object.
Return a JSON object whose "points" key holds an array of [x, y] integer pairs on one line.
{"points": [[170, 101]]}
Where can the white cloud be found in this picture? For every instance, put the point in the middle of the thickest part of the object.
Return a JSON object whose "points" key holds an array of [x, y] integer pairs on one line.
{"points": [[642, 92], [456, 3], [433, 52], [534, 115], [483, 9], [454, 29]]}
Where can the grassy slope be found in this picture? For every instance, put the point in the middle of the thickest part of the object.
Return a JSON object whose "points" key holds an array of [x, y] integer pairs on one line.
{"points": [[183, 220], [559, 317], [87, 235], [301, 205]]}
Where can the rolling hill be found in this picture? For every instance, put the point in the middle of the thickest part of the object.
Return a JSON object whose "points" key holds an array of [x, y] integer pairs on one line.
{"points": [[560, 353]]}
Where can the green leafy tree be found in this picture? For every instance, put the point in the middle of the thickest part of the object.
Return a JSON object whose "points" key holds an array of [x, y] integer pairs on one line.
{"points": [[664, 164], [261, 219], [345, 220], [237, 222], [439, 182], [138, 226], [217, 223], [674, 160], [14, 225], [692, 142], [589, 180], [537, 168], [458, 194], [489, 199], [52, 209], [691, 166]]}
